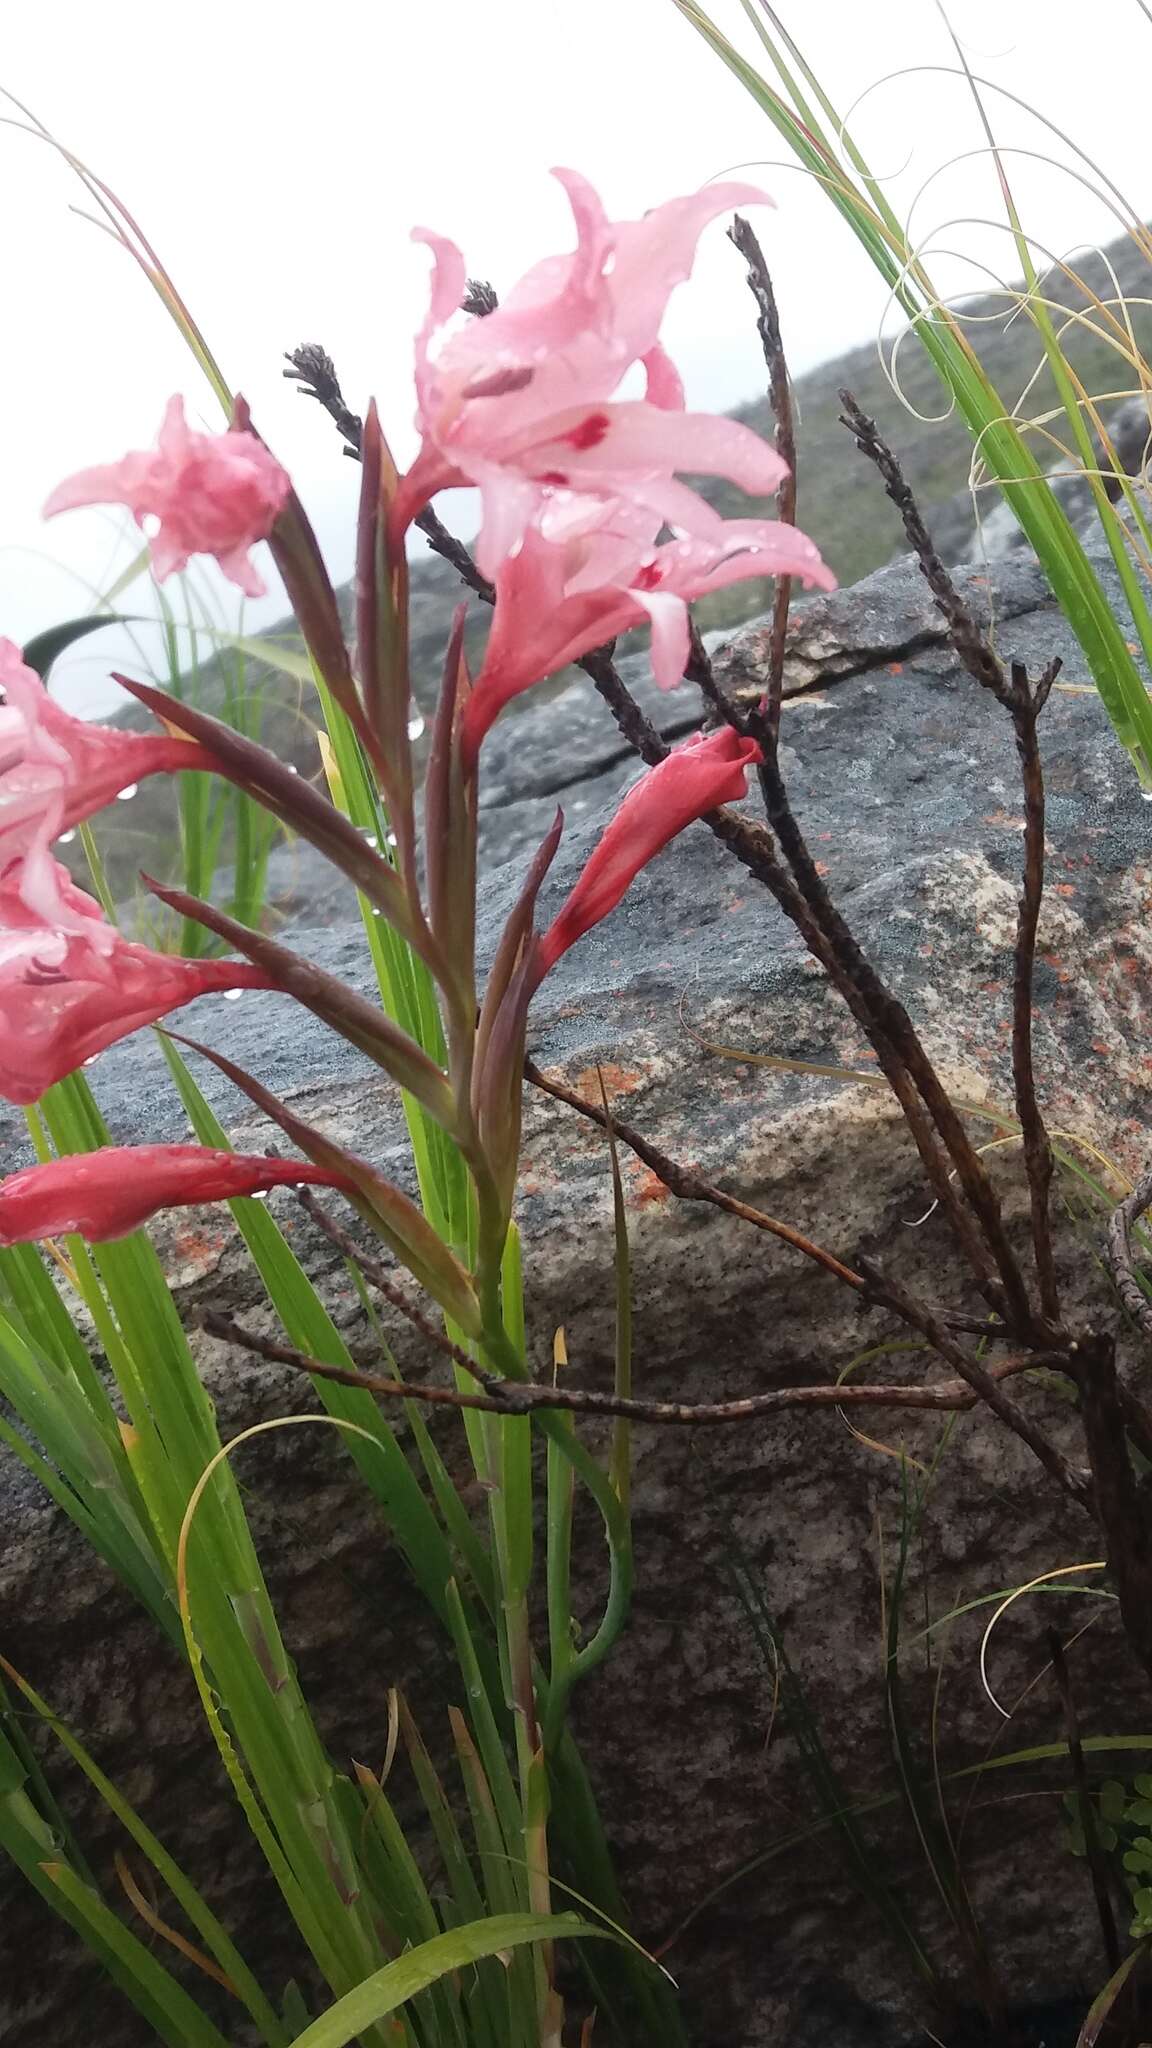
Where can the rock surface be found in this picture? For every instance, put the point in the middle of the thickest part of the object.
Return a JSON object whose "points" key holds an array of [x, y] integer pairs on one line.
{"points": [[904, 777]]}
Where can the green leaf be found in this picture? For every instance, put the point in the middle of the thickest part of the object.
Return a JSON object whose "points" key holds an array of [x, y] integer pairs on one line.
{"points": [[1113, 1799], [46, 648], [410, 1974]]}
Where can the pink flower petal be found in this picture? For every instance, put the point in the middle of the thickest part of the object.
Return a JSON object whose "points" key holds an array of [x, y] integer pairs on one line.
{"points": [[663, 384], [654, 255], [57, 770], [608, 442], [68, 992], [669, 616]]}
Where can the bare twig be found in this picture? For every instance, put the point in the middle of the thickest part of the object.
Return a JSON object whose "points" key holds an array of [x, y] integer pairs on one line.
{"points": [[479, 298], [698, 670], [967, 639], [1121, 1506], [780, 399], [1024, 703], [690, 1187], [1073, 1479], [315, 372], [1025, 707], [520, 1397], [1084, 1802]]}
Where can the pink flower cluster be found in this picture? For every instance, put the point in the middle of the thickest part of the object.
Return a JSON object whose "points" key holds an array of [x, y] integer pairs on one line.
{"points": [[588, 528], [578, 485]]}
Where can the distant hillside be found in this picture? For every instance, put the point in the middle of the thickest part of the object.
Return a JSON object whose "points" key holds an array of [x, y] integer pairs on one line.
{"points": [[841, 504]]}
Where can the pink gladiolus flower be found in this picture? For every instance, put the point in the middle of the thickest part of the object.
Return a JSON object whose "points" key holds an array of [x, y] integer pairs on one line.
{"points": [[585, 577], [709, 769], [65, 995], [56, 770], [106, 1194], [518, 403], [208, 494]]}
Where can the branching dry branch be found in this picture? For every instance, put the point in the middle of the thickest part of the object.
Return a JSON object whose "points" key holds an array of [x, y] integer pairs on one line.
{"points": [[1023, 703], [776, 854], [518, 1397]]}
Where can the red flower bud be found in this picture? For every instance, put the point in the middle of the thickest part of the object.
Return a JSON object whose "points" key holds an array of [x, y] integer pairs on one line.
{"points": [[710, 769], [109, 1193]]}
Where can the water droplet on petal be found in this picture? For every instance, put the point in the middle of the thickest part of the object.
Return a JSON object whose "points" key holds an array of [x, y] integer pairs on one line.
{"points": [[1147, 795], [415, 726], [66, 838], [126, 795], [92, 1059], [292, 768], [371, 840], [392, 839], [233, 995], [261, 1195]]}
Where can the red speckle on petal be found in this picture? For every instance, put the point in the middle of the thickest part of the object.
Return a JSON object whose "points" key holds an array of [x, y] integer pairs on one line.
{"points": [[648, 577], [590, 432], [555, 477]]}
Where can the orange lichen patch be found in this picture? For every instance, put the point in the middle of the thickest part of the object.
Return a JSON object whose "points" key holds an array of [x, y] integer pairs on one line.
{"points": [[1065, 889], [1099, 1046], [1133, 646], [647, 1190], [617, 1080], [822, 867], [737, 903], [1010, 822], [198, 1245], [991, 988], [895, 668], [1054, 961]]}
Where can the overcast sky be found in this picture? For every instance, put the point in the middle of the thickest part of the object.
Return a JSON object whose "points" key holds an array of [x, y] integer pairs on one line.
{"points": [[278, 154]]}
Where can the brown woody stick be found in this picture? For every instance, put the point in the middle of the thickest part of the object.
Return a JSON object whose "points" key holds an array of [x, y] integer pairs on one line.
{"points": [[517, 1397], [1024, 705], [780, 399]]}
